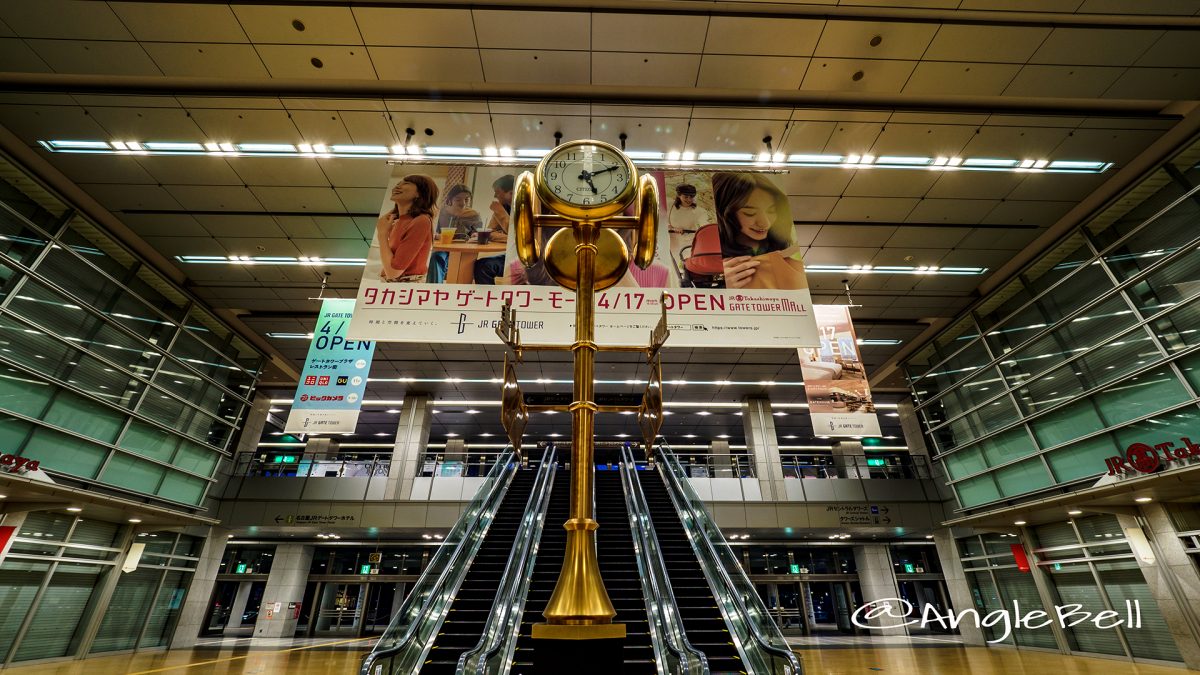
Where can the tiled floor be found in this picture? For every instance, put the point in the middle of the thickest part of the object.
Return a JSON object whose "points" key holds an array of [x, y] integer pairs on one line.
{"points": [[833, 655]]}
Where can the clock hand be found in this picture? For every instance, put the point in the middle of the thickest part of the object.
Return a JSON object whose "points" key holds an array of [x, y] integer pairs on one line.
{"points": [[587, 176], [611, 168]]}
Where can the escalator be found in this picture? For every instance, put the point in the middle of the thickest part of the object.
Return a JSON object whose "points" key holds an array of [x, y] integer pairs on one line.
{"points": [[618, 565], [472, 603], [702, 619]]}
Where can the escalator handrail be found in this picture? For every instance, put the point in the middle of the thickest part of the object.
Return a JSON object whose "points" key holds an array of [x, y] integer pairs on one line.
{"points": [[479, 512], [685, 497], [652, 566], [514, 584]]}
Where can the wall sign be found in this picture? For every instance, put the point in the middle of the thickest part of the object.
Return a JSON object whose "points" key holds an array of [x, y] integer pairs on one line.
{"points": [[331, 388], [1146, 458], [17, 464]]}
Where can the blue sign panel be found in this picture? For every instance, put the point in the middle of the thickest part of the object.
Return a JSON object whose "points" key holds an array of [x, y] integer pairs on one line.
{"points": [[334, 377]]}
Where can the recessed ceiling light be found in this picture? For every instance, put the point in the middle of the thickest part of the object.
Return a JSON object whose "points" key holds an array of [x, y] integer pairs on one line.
{"points": [[929, 536], [74, 509], [1075, 512], [135, 520], [1143, 500], [1018, 522], [703, 413], [3, 496]]}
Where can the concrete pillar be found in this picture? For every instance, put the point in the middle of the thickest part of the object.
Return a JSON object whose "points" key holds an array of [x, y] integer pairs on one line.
{"points": [[251, 432], [957, 584], [847, 458], [412, 437], [238, 608], [877, 579], [1171, 576], [194, 610], [763, 446], [456, 450], [285, 584], [721, 461], [910, 424]]}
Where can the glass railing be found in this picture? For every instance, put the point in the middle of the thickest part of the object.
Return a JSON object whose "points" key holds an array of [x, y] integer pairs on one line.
{"points": [[810, 465], [723, 465], [493, 654], [674, 654], [410, 634], [763, 647], [285, 466]]}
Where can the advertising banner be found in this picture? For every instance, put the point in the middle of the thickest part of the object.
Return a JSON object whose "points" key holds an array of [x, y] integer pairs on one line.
{"points": [[835, 382], [334, 377], [441, 266]]}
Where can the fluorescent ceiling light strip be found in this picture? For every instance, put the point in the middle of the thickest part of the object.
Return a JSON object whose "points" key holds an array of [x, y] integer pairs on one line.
{"points": [[649, 158], [873, 343]]}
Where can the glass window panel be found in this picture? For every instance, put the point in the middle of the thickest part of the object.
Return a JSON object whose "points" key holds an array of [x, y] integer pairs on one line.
{"points": [[149, 441], [166, 609], [1012, 444], [1015, 585], [185, 419], [977, 490], [53, 526], [183, 488], [1085, 458], [57, 616], [1075, 584], [218, 336], [99, 250], [1078, 336], [22, 394], [65, 453], [196, 458], [189, 387], [19, 583], [965, 462], [1167, 234], [127, 610], [1167, 287], [1190, 366], [1124, 582], [13, 433], [1180, 329], [206, 360], [969, 547], [95, 533], [1067, 423], [18, 241], [987, 599], [132, 473], [1022, 477], [1168, 427], [1075, 292], [1095, 527], [964, 365], [31, 201], [85, 416], [100, 292], [1109, 229], [9, 278], [1005, 300], [189, 546], [63, 317], [1139, 396]]}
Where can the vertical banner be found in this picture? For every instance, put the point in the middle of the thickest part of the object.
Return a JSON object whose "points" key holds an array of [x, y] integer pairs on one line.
{"points": [[335, 375], [839, 400], [133, 558], [728, 266]]}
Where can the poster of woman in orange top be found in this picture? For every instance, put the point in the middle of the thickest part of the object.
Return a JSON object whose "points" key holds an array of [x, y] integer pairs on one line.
{"points": [[405, 233]]}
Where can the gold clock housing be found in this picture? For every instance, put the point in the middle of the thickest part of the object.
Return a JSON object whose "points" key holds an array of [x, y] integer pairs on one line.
{"points": [[587, 151]]}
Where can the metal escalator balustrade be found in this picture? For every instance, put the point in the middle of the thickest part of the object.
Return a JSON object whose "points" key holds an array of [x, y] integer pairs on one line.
{"points": [[492, 655], [757, 637], [674, 654], [409, 636]]}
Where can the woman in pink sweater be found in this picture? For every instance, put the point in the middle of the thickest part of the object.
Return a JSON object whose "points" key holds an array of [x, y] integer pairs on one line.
{"points": [[406, 232]]}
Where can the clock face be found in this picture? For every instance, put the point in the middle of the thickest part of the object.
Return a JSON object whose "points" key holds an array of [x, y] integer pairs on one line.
{"points": [[581, 176]]}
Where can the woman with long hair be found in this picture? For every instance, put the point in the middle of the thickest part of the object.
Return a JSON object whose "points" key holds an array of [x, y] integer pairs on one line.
{"points": [[405, 233], [684, 217], [754, 219]]}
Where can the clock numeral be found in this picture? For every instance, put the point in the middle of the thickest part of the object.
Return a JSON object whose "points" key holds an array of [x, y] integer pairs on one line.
{"points": [[558, 189], [553, 175], [559, 164], [587, 200]]}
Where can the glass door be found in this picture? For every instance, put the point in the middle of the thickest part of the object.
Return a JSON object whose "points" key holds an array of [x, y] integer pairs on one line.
{"points": [[381, 604], [341, 609], [220, 608]]}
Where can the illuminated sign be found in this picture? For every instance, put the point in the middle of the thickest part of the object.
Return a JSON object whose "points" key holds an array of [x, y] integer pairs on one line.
{"points": [[364, 569], [1144, 458], [285, 459], [18, 464], [795, 569], [909, 568], [876, 461], [241, 568]]}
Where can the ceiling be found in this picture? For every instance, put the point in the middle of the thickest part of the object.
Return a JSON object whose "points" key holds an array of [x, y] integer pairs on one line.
{"points": [[1055, 79]]}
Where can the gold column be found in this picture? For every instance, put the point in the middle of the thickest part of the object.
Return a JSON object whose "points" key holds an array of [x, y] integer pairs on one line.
{"points": [[580, 598]]}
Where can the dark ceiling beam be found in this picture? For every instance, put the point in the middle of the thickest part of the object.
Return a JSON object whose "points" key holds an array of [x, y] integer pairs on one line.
{"points": [[143, 85], [771, 11]]}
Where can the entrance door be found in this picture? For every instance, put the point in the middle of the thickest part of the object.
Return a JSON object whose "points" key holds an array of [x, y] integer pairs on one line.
{"points": [[219, 608], [783, 601], [831, 607], [380, 605], [923, 592], [341, 609]]}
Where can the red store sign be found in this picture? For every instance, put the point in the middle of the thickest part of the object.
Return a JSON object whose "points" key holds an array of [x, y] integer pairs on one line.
{"points": [[1143, 458], [17, 464]]}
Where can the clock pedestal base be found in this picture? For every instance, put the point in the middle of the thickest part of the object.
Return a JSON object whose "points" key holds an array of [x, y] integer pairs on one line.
{"points": [[578, 650]]}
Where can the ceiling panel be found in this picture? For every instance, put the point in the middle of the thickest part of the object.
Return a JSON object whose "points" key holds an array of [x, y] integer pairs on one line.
{"points": [[262, 126], [206, 60], [914, 237], [415, 27], [236, 226], [811, 208], [814, 181], [536, 67], [1164, 83], [964, 211], [922, 140], [878, 209], [164, 225], [909, 256], [279, 171], [318, 61], [428, 64], [64, 19], [827, 74], [1176, 48], [853, 235], [190, 170], [284, 198], [1042, 214], [119, 197], [274, 24], [1094, 46], [533, 30], [891, 183], [759, 72], [974, 185], [1063, 81], [869, 40], [170, 22], [648, 33], [999, 238], [17, 57], [99, 169], [643, 69], [779, 37], [731, 135], [214, 198], [967, 79], [94, 57], [993, 44]]}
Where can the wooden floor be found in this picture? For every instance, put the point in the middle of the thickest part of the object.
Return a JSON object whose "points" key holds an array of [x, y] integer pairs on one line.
{"points": [[344, 656]]}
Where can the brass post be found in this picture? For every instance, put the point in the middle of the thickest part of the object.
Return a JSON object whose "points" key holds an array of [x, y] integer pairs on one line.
{"points": [[580, 598]]}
